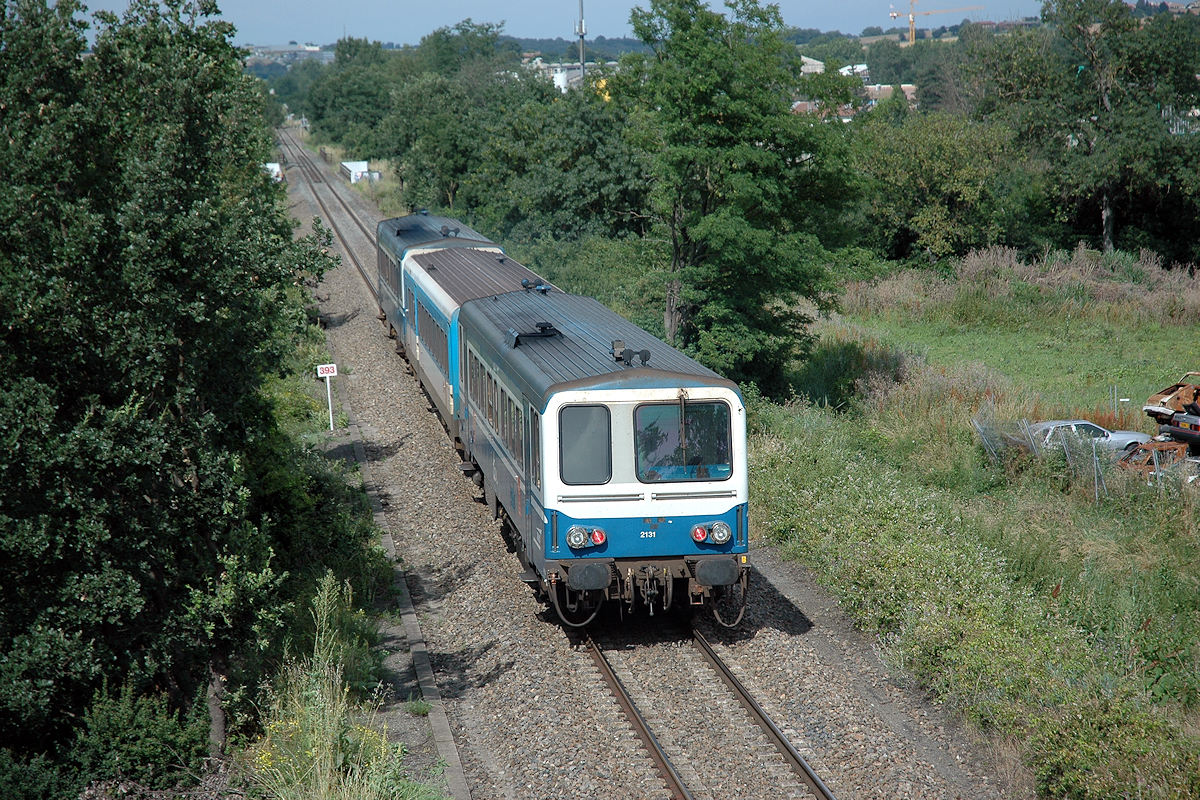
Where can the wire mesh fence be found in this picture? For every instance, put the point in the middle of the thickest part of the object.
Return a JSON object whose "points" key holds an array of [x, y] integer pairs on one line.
{"points": [[1083, 462]]}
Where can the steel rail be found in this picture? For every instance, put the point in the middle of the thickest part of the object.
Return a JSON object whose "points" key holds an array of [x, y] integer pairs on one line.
{"points": [[312, 174], [368, 232], [797, 762], [675, 783]]}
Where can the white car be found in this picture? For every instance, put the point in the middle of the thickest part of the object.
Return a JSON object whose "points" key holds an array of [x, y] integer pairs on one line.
{"points": [[1052, 431]]}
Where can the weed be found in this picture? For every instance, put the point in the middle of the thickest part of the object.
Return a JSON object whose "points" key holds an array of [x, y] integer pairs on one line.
{"points": [[317, 744], [417, 706]]}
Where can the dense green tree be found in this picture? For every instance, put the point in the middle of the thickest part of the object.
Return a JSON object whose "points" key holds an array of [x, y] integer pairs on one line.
{"points": [[937, 181], [447, 49], [560, 166], [144, 262], [738, 181], [1101, 96], [348, 101], [888, 63], [832, 91], [293, 88]]}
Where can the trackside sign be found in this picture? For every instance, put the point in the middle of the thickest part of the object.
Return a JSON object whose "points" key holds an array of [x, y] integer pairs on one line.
{"points": [[328, 371]]}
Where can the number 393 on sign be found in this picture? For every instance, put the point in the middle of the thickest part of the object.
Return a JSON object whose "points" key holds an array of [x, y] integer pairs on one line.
{"points": [[327, 370]]}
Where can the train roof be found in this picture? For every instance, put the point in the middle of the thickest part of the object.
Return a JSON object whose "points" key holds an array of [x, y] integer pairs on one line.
{"points": [[466, 273], [424, 230], [555, 341]]}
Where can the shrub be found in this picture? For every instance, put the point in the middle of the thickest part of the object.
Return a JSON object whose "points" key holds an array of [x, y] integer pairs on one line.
{"points": [[139, 738]]}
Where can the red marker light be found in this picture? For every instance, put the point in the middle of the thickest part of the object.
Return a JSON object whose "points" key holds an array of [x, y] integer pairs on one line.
{"points": [[699, 533], [599, 536]]}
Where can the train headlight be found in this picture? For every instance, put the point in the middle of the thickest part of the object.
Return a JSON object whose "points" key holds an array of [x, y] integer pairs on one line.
{"points": [[577, 537], [721, 533], [598, 536], [699, 533]]}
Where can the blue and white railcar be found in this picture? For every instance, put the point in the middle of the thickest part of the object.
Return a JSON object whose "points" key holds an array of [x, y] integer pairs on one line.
{"points": [[427, 266], [620, 462]]}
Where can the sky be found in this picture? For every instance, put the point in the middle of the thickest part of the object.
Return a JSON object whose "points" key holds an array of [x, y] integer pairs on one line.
{"points": [[267, 22]]}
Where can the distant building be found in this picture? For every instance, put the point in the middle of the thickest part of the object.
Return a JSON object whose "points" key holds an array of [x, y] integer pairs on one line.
{"points": [[287, 54], [355, 171], [877, 92], [564, 75]]}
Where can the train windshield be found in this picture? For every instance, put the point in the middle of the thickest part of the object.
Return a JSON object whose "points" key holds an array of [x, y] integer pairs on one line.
{"points": [[585, 444], [684, 441]]}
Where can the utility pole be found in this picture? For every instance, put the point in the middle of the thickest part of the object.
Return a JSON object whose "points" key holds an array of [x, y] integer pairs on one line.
{"points": [[581, 31]]}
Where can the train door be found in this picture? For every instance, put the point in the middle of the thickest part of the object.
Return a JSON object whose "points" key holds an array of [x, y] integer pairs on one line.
{"points": [[535, 515], [410, 323]]}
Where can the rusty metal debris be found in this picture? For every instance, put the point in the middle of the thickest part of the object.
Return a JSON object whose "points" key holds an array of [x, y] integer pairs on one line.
{"points": [[1152, 457], [1176, 409]]}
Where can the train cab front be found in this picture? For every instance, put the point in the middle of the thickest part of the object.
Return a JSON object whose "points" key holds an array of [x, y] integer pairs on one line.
{"points": [[646, 499]]}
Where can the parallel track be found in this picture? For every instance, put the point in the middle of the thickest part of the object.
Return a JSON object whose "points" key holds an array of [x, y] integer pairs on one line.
{"points": [[321, 190], [658, 754]]}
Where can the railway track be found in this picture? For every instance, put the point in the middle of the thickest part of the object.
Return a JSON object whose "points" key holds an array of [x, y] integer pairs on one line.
{"points": [[329, 198], [708, 770], [702, 771]]}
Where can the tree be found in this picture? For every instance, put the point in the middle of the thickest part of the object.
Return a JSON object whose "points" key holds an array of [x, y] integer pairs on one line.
{"points": [[938, 181], [559, 166], [737, 181], [1101, 96], [446, 50], [144, 261], [348, 101]]}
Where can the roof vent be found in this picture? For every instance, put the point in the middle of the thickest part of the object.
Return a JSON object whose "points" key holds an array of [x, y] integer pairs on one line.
{"points": [[539, 287], [544, 331], [448, 231]]}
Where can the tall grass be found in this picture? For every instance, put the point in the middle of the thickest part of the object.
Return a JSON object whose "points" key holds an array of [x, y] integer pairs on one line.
{"points": [[980, 611], [1072, 328], [995, 285], [318, 743], [1047, 612]]}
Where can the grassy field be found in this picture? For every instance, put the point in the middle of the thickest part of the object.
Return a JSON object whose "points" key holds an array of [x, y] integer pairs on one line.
{"points": [[1045, 610]]}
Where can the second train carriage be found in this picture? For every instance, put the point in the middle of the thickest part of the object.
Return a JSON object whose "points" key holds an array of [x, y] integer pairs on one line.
{"points": [[619, 461]]}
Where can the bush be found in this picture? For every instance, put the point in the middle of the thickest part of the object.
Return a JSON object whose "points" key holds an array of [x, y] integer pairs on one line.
{"points": [[911, 561], [139, 738], [37, 777]]}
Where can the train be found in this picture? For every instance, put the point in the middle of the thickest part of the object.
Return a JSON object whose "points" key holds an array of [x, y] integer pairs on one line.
{"points": [[617, 463]]}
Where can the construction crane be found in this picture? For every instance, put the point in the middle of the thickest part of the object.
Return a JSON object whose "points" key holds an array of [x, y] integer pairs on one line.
{"points": [[912, 16]]}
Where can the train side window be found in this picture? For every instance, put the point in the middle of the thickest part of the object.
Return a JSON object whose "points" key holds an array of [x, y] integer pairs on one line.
{"points": [[519, 434], [535, 448], [585, 444], [476, 385], [514, 431], [491, 401], [505, 422]]}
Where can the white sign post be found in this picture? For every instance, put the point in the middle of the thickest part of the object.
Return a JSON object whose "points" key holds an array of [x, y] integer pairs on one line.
{"points": [[328, 371]]}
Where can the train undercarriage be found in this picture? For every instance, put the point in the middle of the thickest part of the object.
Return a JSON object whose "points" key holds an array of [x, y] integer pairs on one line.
{"points": [[579, 590]]}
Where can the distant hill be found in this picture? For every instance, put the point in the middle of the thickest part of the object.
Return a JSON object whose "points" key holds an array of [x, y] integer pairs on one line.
{"points": [[600, 48]]}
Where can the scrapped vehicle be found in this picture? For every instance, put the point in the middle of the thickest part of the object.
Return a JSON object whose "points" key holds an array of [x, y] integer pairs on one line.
{"points": [[1174, 399], [1176, 409], [1154, 460], [1055, 431]]}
